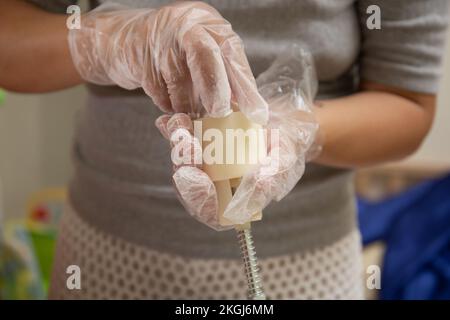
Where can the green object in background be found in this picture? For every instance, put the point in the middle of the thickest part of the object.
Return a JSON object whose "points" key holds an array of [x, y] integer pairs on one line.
{"points": [[44, 244], [20, 277], [2, 96]]}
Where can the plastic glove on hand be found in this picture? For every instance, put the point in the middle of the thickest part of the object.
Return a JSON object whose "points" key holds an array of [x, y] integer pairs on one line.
{"points": [[289, 87], [195, 189], [185, 56]]}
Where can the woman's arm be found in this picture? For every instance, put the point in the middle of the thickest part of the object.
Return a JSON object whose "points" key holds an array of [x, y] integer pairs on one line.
{"points": [[382, 122], [35, 54], [378, 124], [179, 54]]}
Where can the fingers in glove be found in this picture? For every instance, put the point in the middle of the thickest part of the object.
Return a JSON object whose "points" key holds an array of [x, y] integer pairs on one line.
{"points": [[179, 121], [242, 83], [161, 124], [178, 81], [252, 195], [198, 195], [269, 181], [207, 69], [155, 86], [186, 149]]}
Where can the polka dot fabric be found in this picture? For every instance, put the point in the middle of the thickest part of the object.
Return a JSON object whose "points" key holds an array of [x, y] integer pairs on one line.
{"points": [[112, 268]]}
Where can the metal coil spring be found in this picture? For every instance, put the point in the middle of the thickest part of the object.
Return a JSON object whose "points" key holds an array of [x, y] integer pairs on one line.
{"points": [[255, 290]]}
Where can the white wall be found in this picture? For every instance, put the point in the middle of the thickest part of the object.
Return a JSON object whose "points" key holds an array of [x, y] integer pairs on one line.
{"points": [[35, 141]]}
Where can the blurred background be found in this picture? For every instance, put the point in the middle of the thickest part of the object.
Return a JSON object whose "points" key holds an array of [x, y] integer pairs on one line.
{"points": [[35, 142]]}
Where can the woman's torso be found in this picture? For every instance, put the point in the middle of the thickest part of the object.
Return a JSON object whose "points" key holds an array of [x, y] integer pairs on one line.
{"points": [[122, 181]]}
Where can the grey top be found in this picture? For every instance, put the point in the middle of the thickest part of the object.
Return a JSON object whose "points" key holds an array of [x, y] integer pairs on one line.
{"points": [[122, 181]]}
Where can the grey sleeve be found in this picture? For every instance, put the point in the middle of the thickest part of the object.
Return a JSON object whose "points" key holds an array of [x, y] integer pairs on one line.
{"points": [[56, 6], [408, 49]]}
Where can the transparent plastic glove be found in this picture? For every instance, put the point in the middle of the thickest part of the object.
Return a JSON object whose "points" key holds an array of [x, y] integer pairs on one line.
{"points": [[185, 56], [289, 86], [194, 188]]}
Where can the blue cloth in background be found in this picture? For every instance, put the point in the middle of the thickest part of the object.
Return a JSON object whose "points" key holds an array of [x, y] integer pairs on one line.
{"points": [[415, 227]]}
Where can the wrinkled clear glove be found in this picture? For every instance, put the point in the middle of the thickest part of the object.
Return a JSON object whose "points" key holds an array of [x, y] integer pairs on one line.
{"points": [[195, 190], [185, 56], [289, 86]]}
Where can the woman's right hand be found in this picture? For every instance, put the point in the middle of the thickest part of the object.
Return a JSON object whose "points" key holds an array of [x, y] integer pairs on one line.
{"points": [[184, 55]]}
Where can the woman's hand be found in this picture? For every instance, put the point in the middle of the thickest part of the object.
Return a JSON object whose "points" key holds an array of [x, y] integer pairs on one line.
{"points": [[185, 56], [289, 86], [194, 188]]}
